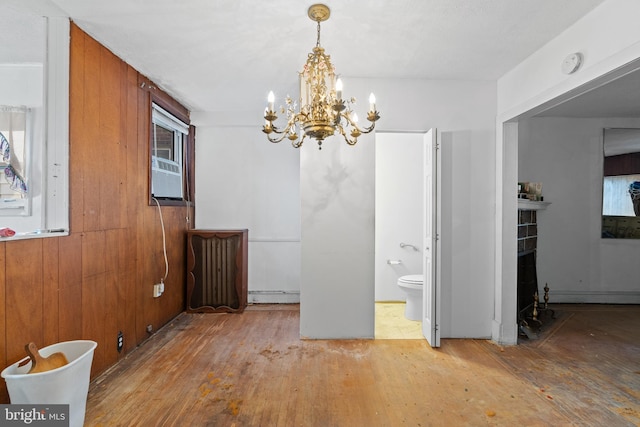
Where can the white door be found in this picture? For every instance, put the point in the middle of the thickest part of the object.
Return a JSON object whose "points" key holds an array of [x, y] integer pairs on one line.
{"points": [[431, 294]]}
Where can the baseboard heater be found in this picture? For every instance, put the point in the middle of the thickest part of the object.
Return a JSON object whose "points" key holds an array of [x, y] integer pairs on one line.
{"points": [[275, 292], [274, 297]]}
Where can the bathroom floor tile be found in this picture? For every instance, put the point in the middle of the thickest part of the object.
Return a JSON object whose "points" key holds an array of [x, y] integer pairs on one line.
{"points": [[391, 323]]}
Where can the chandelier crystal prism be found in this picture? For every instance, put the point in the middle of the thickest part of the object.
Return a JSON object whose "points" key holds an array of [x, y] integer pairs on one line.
{"points": [[321, 109]]}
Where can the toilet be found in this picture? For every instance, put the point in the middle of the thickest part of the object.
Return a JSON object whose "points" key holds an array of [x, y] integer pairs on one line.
{"points": [[412, 286]]}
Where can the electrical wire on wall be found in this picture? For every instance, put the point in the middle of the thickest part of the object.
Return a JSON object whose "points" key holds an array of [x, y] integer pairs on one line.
{"points": [[164, 244]]}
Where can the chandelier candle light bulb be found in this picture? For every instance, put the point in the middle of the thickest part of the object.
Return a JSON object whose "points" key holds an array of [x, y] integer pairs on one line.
{"points": [[320, 111], [270, 99]]}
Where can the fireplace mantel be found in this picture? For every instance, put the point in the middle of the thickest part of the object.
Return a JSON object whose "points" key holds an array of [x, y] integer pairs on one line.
{"points": [[531, 205]]}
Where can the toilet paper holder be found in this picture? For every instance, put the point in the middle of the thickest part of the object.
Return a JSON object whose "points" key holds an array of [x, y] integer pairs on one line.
{"points": [[394, 262]]}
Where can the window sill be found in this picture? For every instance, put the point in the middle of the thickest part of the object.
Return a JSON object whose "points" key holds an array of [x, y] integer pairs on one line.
{"points": [[36, 234]]}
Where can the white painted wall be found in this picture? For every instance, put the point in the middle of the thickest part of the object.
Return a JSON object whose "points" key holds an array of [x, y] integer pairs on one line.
{"points": [[566, 156], [479, 178], [22, 84], [337, 198], [243, 181], [398, 210], [341, 298], [609, 38]]}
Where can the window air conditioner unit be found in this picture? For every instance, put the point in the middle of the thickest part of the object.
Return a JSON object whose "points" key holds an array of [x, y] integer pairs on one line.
{"points": [[166, 178]]}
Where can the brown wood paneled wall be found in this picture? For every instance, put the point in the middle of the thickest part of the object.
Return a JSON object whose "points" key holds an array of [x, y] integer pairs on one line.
{"points": [[99, 279]]}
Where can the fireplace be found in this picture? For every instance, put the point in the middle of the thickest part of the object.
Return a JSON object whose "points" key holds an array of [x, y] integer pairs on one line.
{"points": [[530, 304], [527, 284]]}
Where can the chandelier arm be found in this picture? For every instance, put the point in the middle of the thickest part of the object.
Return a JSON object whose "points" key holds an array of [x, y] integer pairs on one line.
{"points": [[298, 144], [346, 138], [351, 142], [276, 140], [273, 129], [368, 129], [285, 133], [351, 122]]}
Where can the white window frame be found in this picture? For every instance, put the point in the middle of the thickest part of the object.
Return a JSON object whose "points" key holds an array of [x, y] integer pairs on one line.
{"points": [[163, 118], [50, 215]]}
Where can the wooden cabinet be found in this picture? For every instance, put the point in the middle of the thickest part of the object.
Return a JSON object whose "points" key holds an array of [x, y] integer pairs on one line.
{"points": [[217, 271]]}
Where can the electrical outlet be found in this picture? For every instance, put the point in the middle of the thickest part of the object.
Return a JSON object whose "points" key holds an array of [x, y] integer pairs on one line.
{"points": [[149, 328], [157, 290], [120, 341]]}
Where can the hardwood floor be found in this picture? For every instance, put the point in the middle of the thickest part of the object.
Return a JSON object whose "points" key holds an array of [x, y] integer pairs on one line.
{"points": [[251, 369]]}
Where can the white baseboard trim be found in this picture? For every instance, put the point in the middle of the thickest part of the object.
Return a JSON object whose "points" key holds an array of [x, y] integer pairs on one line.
{"points": [[503, 336], [273, 297], [594, 297]]}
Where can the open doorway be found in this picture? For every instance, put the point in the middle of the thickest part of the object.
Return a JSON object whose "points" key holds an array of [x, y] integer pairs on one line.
{"points": [[399, 181], [560, 143]]}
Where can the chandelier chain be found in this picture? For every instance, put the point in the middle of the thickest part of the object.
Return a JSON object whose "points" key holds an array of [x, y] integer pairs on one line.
{"points": [[318, 40]]}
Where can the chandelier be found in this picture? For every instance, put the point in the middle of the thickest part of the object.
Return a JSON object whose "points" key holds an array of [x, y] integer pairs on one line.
{"points": [[321, 109]]}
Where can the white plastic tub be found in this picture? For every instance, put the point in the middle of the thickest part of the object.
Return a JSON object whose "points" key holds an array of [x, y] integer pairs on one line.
{"points": [[68, 384]]}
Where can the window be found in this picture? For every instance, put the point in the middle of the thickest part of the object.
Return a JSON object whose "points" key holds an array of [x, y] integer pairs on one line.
{"points": [[14, 189], [168, 137], [34, 123], [169, 144], [618, 195]]}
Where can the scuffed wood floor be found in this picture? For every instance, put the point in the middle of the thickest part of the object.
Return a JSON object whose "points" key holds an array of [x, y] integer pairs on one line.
{"points": [[252, 369]]}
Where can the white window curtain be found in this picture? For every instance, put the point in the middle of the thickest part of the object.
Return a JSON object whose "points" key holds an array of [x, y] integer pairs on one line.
{"points": [[13, 147]]}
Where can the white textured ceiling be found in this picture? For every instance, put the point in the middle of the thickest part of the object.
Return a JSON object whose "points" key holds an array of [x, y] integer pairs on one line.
{"points": [[20, 47], [225, 55], [617, 98]]}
